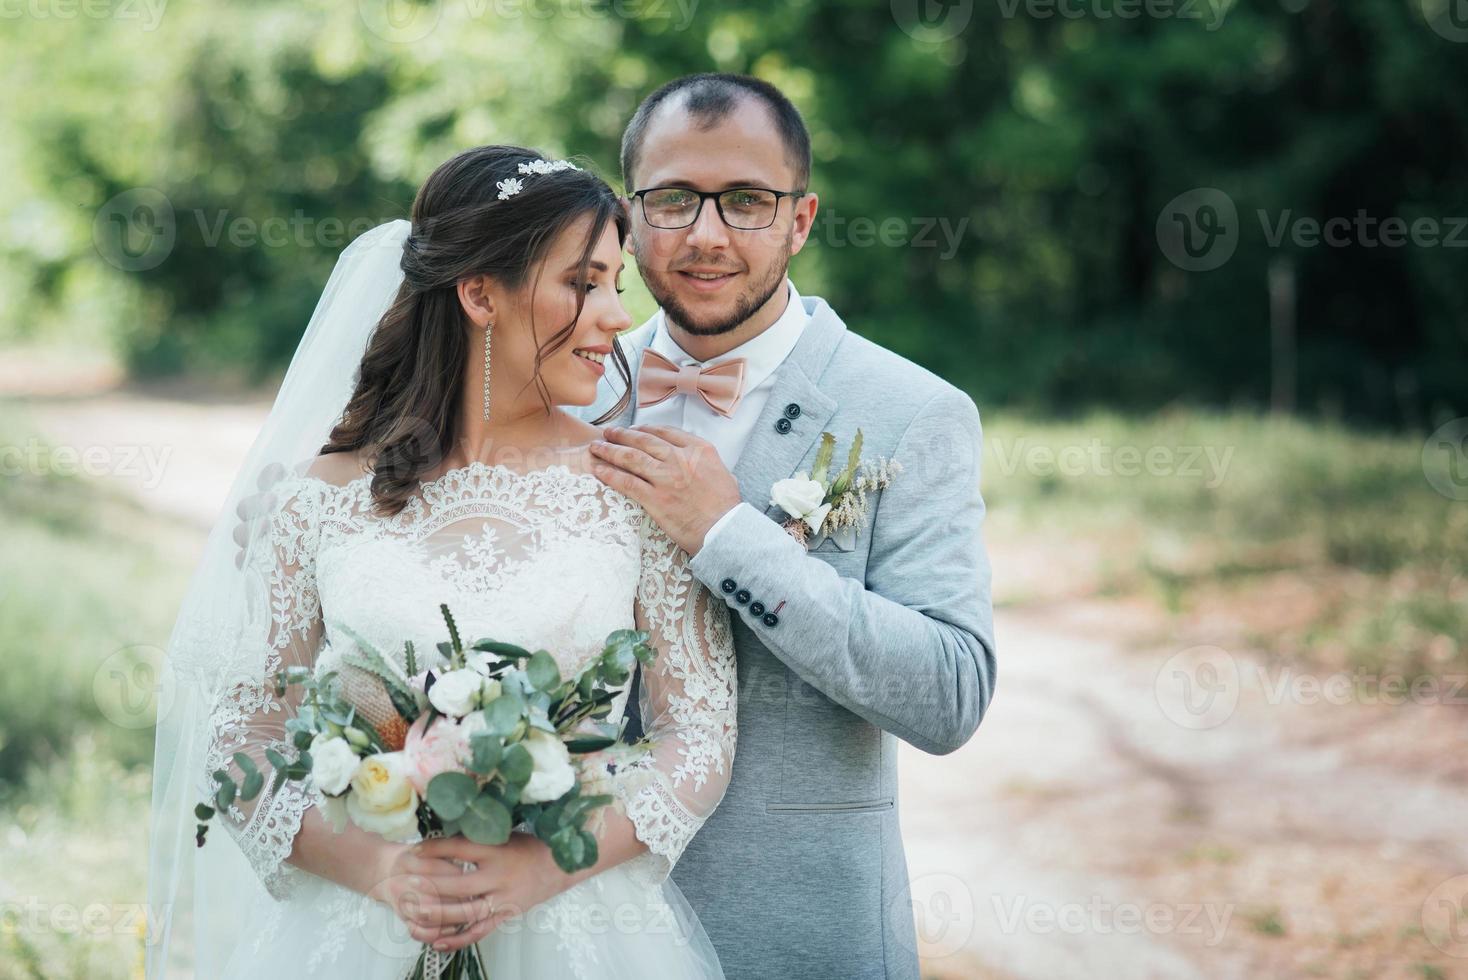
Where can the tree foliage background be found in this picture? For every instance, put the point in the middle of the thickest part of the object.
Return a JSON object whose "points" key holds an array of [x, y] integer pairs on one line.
{"points": [[1045, 136]]}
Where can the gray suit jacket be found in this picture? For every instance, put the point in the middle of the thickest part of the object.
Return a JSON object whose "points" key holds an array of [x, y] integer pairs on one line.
{"points": [[800, 871]]}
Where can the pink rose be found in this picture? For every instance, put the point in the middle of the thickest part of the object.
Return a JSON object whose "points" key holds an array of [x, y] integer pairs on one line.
{"points": [[441, 748]]}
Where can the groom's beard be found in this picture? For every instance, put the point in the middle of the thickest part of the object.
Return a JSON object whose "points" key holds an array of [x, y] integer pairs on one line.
{"points": [[751, 299]]}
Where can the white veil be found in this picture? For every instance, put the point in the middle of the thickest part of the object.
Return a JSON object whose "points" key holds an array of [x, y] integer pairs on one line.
{"points": [[197, 897]]}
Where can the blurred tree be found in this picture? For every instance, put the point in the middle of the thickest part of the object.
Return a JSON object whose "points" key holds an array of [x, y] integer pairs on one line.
{"points": [[990, 199]]}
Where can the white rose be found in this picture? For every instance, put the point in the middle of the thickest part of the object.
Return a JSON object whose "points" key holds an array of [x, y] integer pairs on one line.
{"points": [[383, 801], [478, 660], [455, 693], [553, 774], [333, 763], [801, 497]]}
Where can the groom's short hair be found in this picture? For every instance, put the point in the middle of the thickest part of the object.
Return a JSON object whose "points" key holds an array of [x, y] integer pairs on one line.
{"points": [[709, 97]]}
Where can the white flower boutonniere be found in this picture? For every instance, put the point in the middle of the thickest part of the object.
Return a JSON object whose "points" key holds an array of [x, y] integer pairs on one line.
{"points": [[817, 501]]}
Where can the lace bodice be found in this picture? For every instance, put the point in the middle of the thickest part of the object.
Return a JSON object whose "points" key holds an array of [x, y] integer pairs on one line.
{"points": [[548, 559]]}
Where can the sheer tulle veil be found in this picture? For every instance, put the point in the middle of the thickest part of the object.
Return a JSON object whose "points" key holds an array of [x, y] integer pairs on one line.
{"points": [[198, 896]]}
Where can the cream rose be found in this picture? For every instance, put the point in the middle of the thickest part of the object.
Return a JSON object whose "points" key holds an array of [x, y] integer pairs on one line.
{"points": [[553, 774], [382, 800], [333, 763], [800, 497], [456, 692]]}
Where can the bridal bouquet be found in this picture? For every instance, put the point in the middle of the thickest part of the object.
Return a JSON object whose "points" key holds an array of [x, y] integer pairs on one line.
{"points": [[476, 747]]}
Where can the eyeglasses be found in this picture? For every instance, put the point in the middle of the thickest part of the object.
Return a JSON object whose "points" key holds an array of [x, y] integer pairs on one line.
{"points": [[744, 208]]}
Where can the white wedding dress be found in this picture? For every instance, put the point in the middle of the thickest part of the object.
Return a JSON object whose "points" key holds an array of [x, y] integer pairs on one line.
{"points": [[549, 559]]}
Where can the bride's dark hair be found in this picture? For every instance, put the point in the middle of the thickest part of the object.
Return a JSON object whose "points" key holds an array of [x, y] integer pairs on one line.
{"points": [[403, 416]]}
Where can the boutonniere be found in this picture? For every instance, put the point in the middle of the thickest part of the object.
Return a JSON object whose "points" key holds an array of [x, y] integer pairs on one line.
{"points": [[816, 502]]}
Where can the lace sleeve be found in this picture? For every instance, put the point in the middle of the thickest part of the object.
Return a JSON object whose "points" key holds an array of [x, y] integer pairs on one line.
{"points": [[248, 717], [687, 699]]}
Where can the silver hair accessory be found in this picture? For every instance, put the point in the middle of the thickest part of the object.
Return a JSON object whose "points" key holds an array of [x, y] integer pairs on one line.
{"points": [[511, 186]]}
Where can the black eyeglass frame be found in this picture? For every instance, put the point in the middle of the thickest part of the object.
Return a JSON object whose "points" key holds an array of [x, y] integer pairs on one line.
{"points": [[705, 195]]}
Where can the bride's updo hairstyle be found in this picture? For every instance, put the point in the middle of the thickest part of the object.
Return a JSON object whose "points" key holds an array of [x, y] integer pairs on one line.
{"points": [[403, 416]]}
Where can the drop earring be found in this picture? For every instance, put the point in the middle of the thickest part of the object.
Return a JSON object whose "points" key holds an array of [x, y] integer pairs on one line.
{"points": [[487, 327]]}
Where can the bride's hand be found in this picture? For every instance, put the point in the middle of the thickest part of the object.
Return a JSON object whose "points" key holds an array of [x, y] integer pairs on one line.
{"points": [[407, 882], [509, 879]]}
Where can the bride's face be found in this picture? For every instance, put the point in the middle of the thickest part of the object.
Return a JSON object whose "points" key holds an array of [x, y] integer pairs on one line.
{"points": [[548, 301]]}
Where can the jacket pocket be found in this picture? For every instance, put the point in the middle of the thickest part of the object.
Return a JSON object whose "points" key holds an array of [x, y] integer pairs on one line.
{"points": [[859, 806]]}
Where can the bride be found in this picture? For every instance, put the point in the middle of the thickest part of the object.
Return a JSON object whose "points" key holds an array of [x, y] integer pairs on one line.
{"points": [[415, 456]]}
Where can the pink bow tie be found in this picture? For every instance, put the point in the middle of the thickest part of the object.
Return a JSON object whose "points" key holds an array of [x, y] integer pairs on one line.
{"points": [[720, 385]]}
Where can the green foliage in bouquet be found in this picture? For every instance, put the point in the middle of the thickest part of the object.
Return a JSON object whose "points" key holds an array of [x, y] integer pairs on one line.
{"points": [[486, 802]]}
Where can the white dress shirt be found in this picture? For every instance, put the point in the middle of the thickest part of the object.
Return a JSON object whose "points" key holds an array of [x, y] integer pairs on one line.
{"points": [[762, 355]]}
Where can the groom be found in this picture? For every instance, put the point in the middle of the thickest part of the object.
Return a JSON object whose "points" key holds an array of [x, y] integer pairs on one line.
{"points": [[848, 641]]}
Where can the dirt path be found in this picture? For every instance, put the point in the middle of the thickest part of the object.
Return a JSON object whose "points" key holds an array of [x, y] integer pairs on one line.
{"points": [[1098, 829], [1130, 809]]}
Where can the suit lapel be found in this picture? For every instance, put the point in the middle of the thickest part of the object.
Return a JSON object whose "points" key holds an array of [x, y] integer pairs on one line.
{"points": [[771, 455]]}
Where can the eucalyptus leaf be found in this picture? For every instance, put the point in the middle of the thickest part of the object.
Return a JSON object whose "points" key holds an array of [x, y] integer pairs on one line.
{"points": [[487, 749], [504, 712], [542, 671], [568, 848], [589, 848], [487, 821], [449, 794], [517, 765], [548, 822]]}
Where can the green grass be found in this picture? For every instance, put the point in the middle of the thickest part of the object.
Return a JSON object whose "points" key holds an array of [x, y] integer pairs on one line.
{"points": [[1234, 501], [85, 598]]}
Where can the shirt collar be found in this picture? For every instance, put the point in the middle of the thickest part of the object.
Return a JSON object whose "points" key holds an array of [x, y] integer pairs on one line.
{"points": [[762, 354]]}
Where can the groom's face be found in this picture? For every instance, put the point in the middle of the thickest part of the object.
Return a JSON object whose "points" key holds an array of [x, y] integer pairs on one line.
{"points": [[708, 277]]}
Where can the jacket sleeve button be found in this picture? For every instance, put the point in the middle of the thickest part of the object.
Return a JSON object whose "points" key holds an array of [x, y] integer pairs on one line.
{"points": [[792, 411], [742, 596], [728, 585], [756, 608], [782, 425], [771, 619]]}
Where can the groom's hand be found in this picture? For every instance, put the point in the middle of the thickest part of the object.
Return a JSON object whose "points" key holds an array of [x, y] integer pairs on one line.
{"points": [[677, 477]]}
